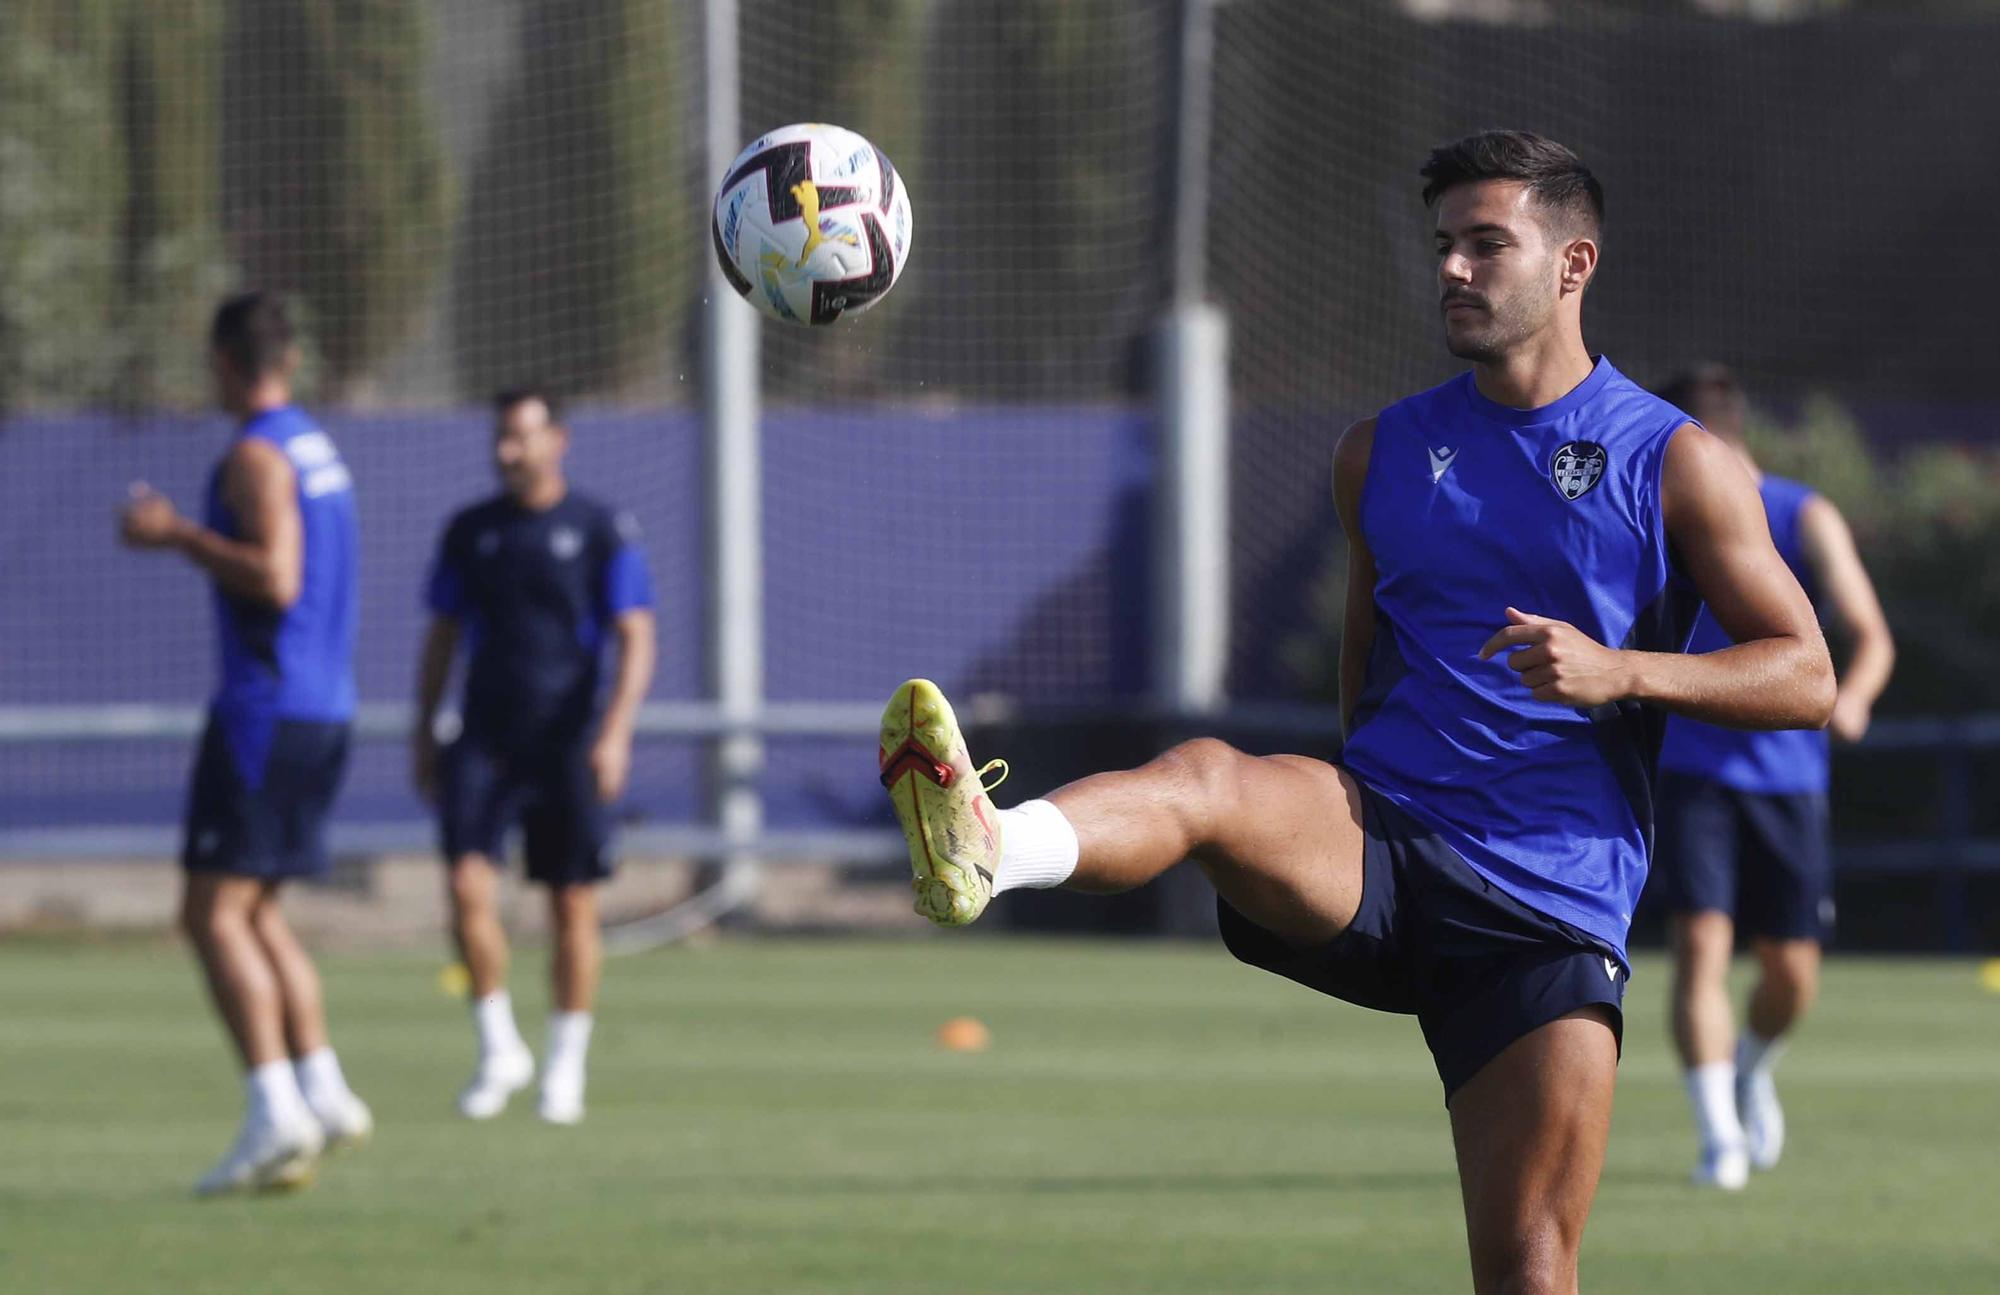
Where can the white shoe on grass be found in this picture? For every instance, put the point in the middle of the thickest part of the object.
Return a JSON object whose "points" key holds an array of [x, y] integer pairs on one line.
{"points": [[1726, 1167], [561, 1104], [267, 1156], [348, 1123], [499, 1077]]}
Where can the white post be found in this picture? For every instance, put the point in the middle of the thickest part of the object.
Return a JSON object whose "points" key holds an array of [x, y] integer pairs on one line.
{"points": [[735, 562], [1191, 589]]}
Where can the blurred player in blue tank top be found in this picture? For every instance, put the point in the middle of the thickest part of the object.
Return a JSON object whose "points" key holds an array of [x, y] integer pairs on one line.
{"points": [[1527, 546], [535, 582], [1743, 836], [279, 544]]}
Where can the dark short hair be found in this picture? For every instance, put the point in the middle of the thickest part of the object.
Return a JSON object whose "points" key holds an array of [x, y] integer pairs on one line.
{"points": [[253, 332], [1683, 388], [1558, 179], [512, 396]]}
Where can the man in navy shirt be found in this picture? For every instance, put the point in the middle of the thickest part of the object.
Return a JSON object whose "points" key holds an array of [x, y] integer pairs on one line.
{"points": [[279, 543], [1525, 547], [534, 582], [1743, 831]]}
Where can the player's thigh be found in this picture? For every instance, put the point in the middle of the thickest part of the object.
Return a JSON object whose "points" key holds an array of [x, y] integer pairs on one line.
{"points": [[1697, 845], [1285, 844], [565, 829], [1530, 1130], [213, 899], [1787, 891]]}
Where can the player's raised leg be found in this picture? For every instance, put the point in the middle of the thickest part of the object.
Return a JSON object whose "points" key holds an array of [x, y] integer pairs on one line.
{"points": [[279, 1140], [1279, 836], [504, 1066], [1530, 1130], [344, 1118], [1787, 984]]}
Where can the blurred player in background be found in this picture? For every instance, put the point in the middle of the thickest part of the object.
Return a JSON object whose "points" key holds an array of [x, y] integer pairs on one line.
{"points": [[279, 544], [1743, 842], [534, 580], [1525, 547]]}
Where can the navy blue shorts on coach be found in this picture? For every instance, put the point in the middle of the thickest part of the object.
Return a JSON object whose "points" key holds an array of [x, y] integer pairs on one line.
{"points": [[1434, 939], [259, 797], [1762, 857], [548, 789]]}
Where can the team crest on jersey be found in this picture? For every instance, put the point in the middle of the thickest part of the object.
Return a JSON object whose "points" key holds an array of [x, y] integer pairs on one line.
{"points": [[1578, 466], [565, 542]]}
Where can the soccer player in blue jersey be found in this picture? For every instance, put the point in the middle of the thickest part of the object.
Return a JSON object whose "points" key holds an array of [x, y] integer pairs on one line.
{"points": [[1743, 826], [1527, 544], [279, 544], [535, 581]]}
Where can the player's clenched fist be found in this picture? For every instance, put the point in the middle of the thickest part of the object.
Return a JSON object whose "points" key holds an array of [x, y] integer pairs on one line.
{"points": [[1559, 662]]}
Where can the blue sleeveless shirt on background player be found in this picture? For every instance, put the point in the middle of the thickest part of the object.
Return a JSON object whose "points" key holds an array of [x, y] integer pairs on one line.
{"points": [[1470, 507], [1784, 762], [298, 663]]}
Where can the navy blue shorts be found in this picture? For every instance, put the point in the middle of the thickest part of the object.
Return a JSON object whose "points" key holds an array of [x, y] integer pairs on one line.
{"points": [[549, 790], [259, 797], [1766, 859], [1435, 940]]}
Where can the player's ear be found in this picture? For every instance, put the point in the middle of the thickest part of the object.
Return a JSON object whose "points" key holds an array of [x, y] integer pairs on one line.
{"points": [[1579, 263]]}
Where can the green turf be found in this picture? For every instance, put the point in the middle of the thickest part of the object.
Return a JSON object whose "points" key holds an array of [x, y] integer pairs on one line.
{"points": [[772, 1117]]}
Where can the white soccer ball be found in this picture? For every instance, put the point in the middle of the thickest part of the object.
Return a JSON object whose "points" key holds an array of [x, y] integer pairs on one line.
{"points": [[811, 224]]}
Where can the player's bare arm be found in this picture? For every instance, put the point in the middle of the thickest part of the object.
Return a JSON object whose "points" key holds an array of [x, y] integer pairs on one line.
{"points": [[1850, 599], [1777, 675], [1357, 625], [611, 754], [258, 484], [433, 672]]}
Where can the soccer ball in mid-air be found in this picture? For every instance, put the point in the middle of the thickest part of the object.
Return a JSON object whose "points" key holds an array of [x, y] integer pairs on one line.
{"points": [[811, 224]]}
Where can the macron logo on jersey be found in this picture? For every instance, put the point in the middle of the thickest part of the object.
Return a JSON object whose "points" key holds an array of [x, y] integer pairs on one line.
{"points": [[1441, 460]]}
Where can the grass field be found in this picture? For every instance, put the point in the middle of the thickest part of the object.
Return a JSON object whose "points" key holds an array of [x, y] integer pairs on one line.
{"points": [[773, 1117]]}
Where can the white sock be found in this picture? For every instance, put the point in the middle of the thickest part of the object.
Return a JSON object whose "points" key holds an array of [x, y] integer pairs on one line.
{"points": [[494, 1017], [273, 1094], [321, 1083], [1711, 1092], [1038, 847], [1757, 1056], [569, 1041]]}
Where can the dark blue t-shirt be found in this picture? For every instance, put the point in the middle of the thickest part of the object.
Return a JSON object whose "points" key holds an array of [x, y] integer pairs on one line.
{"points": [[535, 593], [1784, 762], [1471, 507]]}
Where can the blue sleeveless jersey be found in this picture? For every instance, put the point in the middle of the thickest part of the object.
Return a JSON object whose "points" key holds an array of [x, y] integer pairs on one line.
{"points": [[1787, 762], [1471, 507], [297, 663]]}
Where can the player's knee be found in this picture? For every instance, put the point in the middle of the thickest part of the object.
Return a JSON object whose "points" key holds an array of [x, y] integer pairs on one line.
{"points": [[206, 921], [575, 907], [1205, 772], [472, 887]]}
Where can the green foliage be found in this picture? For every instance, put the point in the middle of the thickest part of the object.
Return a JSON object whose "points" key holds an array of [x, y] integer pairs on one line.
{"points": [[62, 193], [337, 192], [577, 255]]}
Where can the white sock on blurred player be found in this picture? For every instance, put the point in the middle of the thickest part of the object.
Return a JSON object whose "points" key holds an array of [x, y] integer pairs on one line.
{"points": [[1757, 1097], [563, 1072], [1725, 1160], [493, 1015], [272, 1094], [1038, 847], [505, 1064]]}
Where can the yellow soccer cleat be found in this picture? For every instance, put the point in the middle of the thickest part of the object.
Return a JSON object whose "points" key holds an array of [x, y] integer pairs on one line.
{"points": [[948, 819]]}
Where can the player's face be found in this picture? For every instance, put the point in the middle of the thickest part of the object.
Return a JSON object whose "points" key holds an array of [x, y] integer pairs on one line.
{"points": [[1499, 270], [527, 446]]}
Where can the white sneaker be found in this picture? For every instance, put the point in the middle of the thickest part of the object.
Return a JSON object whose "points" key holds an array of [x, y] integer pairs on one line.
{"points": [[561, 1104], [348, 1124], [1763, 1119], [499, 1077], [267, 1156], [1725, 1167]]}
